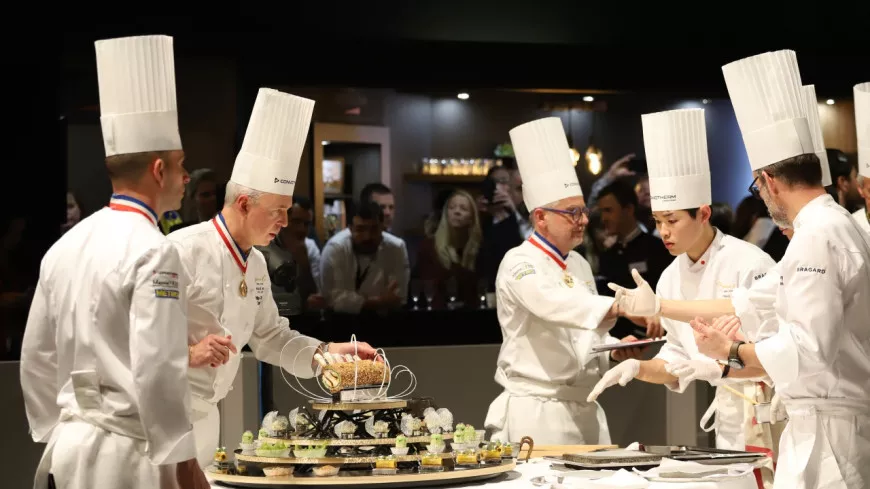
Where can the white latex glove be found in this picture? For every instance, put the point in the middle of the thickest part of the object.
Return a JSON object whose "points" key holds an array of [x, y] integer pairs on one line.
{"points": [[691, 370], [620, 374], [641, 301]]}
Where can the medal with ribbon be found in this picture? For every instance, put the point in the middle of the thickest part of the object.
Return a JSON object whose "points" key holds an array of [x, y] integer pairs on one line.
{"points": [[124, 203], [542, 244], [239, 256]]}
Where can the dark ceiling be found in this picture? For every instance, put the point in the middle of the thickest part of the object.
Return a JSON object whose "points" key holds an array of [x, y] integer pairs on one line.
{"points": [[446, 45]]}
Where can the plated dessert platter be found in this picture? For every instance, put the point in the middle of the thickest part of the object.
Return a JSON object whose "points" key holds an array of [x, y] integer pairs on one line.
{"points": [[354, 433]]}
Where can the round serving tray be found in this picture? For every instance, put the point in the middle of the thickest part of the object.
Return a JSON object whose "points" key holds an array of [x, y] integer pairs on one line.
{"points": [[361, 405], [357, 478], [330, 460], [356, 442]]}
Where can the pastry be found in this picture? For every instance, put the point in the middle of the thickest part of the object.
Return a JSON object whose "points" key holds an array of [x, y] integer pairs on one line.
{"points": [[342, 375], [325, 471], [278, 471]]}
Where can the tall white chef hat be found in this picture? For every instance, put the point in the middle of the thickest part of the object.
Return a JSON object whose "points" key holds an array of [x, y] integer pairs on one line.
{"points": [[138, 112], [274, 140], [544, 160], [765, 91], [675, 142], [815, 123], [862, 124]]}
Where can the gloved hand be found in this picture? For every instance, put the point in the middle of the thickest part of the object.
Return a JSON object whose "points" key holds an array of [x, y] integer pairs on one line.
{"points": [[641, 301], [620, 374], [689, 371]]}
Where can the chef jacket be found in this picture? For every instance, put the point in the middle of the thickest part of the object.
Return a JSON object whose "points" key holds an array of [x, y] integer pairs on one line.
{"points": [[215, 306], [348, 279], [549, 325], [105, 344], [818, 358], [863, 221], [728, 263]]}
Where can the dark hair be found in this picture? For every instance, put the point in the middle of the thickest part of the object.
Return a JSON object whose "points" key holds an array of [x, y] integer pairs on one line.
{"points": [[721, 216], [800, 171], [693, 213], [622, 190], [839, 165], [302, 202], [370, 212], [130, 167], [373, 188], [747, 212]]}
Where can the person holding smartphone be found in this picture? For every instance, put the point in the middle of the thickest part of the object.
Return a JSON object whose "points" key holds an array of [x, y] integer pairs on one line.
{"points": [[500, 221]]}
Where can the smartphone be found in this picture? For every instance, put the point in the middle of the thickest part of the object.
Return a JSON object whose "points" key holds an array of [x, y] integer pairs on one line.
{"points": [[489, 189]]}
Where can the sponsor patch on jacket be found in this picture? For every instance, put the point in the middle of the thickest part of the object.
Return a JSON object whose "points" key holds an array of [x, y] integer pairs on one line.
{"points": [[522, 270], [260, 289], [165, 284], [820, 271]]}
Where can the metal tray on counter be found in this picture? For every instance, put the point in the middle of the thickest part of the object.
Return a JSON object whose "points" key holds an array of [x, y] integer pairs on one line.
{"points": [[651, 456]]}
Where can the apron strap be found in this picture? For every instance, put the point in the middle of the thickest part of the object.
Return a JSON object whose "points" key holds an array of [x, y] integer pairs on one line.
{"points": [[705, 419]]}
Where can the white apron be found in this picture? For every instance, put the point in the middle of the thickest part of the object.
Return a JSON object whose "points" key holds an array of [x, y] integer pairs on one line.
{"points": [[570, 420], [807, 459]]}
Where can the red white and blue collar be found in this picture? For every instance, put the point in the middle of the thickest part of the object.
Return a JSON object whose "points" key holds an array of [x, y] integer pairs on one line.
{"points": [[549, 249], [125, 203], [239, 256]]}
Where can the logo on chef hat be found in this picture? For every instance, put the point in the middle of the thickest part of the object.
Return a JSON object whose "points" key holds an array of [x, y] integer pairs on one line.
{"points": [[284, 181]]}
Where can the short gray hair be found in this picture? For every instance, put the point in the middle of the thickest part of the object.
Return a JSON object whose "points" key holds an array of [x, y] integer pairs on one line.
{"points": [[234, 191]]}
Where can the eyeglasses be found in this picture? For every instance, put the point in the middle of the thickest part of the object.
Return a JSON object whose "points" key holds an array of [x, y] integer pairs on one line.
{"points": [[754, 190], [576, 213]]}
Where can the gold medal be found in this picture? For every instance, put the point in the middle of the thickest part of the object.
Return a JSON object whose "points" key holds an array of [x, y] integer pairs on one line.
{"points": [[569, 280], [243, 288]]}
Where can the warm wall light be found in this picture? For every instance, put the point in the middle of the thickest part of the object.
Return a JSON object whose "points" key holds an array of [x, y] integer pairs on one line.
{"points": [[593, 159], [462, 96], [324, 143], [830, 101], [575, 155], [589, 98]]}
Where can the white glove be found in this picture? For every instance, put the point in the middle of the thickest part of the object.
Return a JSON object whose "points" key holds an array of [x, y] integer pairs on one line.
{"points": [[620, 374], [689, 371], [641, 301]]}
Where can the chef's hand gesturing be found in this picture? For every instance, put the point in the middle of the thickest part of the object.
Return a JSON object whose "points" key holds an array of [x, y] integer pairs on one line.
{"points": [[620, 374], [214, 350], [711, 341], [641, 301], [730, 326]]}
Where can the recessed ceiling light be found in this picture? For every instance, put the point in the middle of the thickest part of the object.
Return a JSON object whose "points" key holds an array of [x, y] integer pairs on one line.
{"points": [[462, 96], [589, 98], [830, 101]]}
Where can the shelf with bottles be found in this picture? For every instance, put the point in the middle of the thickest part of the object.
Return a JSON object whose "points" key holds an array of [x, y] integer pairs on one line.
{"points": [[457, 167]]}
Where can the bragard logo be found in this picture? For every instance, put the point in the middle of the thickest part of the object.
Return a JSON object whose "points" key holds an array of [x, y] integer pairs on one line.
{"points": [[665, 198], [281, 180]]}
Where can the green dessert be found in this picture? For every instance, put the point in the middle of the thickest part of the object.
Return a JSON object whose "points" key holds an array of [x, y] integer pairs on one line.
{"points": [[247, 438], [436, 439], [263, 433], [401, 441]]}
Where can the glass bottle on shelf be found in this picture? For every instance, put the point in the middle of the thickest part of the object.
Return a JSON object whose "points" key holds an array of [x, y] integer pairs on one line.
{"points": [[424, 166]]}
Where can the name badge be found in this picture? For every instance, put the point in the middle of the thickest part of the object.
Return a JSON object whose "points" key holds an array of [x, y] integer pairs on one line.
{"points": [[640, 266]]}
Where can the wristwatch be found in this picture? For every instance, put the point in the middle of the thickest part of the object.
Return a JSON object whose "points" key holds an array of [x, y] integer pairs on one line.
{"points": [[733, 358]]}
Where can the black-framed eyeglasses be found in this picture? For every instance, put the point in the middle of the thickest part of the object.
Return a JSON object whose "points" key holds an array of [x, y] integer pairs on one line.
{"points": [[754, 190], [576, 213]]}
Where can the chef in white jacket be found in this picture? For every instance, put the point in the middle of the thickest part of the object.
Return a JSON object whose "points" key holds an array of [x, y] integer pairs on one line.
{"points": [[548, 307], [818, 358], [862, 126], [104, 357], [709, 265], [230, 300]]}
